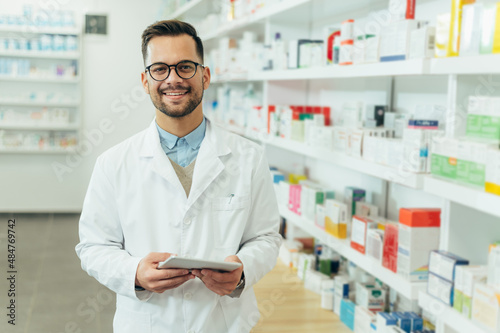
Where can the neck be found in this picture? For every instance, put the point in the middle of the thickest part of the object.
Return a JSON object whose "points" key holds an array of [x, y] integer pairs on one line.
{"points": [[179, 127]]}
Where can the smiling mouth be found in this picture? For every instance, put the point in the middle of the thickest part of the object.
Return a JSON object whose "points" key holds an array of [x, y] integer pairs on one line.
{"points": [[175, 93]]}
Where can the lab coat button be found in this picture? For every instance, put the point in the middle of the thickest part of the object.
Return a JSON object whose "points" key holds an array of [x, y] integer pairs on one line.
{"points": [[187, 222], [188, 296]]}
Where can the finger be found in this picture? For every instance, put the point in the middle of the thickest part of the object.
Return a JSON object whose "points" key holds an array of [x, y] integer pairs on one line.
{"points": [[171, 283], [164, 274], [172, 287], [220, 277]]}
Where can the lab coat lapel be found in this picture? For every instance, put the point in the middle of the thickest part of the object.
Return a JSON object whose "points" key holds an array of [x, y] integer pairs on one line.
{"points": [[160, 164], [208, 163]]}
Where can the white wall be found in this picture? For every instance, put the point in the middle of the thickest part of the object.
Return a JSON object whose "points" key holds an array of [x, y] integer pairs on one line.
{"points": [[111, 90]]}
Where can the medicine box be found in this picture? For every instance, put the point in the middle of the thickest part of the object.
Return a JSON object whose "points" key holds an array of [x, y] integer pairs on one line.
{"points": [[320, 216], [402, 9], [360, 227], [458, 295], [442, 34], [306, 263], [365, 209], [283, 192], [313, 280], [376, 113], [336, 219], [444, 154], [440, 288], [363, 319], [395, 40], [418, 235], [390, 250], [294, 199], [492, 175], [404, 321], [486, 307], [483, 118], [470, 32], [443, 263], [422, 42], [342, 285], [471, 162], [417, 323], [470, 275], [488, 26], [374, 244], [394, 329], [455, 25], [311, 196], [370, 297], [494, 267], [347, 311], [384, 321], [351, 196]]}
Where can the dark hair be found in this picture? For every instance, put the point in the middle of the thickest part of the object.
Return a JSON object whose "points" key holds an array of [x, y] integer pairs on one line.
{"points": [[170, 28]]}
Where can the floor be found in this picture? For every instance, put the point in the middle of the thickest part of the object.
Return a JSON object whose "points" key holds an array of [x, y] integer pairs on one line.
{"points": [[54, 295]]}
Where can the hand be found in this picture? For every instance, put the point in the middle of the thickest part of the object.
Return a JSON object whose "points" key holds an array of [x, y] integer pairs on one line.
{"points": [[221, 283], [159, 280]]}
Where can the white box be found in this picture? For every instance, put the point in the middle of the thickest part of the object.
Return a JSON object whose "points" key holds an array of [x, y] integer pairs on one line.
{"points": [[485, 306], [443, 263], [470, 276], [494, 267], [306, 263], [320, 216], [492, 176], [375, 244], [370, 297], [470, 33], [395, 40], [365, 209], [440, 288], [422, 42], [313, 281], [363, 319], [356, 143]]}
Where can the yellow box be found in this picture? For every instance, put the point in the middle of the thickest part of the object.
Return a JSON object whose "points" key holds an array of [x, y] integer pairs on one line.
{"points": [[336, 218], [455, 25], [295, 178], [496, 34]]}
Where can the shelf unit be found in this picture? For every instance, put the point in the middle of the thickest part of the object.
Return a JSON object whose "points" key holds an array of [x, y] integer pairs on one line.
{"points": [[449, 316], [409, 289], [66, 86], [449, 68]]}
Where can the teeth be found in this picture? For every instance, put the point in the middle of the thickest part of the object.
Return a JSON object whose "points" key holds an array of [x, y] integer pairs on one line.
{"points": [[174, 94]]}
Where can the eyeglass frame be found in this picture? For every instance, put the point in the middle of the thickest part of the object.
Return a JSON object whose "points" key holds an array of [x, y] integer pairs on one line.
{"points": [[147, 69]]}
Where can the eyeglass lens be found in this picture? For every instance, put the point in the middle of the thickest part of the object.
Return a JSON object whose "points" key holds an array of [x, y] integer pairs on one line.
{"points": [[185, 70]]}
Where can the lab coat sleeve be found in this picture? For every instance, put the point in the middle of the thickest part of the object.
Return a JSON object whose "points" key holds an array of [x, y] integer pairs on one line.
{"points": [[101, 239], [261, 240]]}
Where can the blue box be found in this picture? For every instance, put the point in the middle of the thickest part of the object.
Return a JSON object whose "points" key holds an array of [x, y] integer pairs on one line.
{"points": [[424, 124], [443, 263], [404, 322], [347, 309], [417, 323]]}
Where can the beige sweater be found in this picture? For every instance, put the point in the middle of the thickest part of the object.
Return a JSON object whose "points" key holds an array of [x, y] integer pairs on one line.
{"points": [[185, 175]]}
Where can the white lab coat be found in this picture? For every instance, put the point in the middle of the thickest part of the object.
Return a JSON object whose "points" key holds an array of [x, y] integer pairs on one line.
{"points": [[135, 204]]}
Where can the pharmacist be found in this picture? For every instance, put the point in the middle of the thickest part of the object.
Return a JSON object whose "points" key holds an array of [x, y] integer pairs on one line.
{"points": [[182, 186]]}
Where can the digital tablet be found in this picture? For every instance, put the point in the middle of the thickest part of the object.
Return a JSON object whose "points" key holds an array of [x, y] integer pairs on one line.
{"points": [[191, 263]]}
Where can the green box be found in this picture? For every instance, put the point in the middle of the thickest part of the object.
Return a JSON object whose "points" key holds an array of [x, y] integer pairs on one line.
{"points": [[467, 306], [483, 127], [443, 166], [458, 300], [471, 172]]}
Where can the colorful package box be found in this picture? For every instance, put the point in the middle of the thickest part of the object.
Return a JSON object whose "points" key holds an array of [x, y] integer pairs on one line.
{"points": [[385, 321], [417, 323], [418, 236], [347, 312], [360, 227], [471, 162], [370, 297], [404, 321], [294, 198], [336, 218], [444, 154], [351, 196], [390, 251], [363, 319], [483, 118], [469, 275], [492, 176]]}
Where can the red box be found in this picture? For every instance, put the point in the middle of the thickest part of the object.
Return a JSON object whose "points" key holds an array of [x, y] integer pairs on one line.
{"points": [[294, 200], [360, 226], [420, 217], [326, 112], [309, 109], [390, 251], [270, 109]]}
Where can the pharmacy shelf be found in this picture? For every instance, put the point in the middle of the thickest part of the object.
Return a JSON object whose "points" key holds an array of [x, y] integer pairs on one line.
{"points": [[260, 15], [412, 180], [410, 290], [47, 104], [42, 55], [191, 6], [463, 194], [393, 68], [55, 79], [40, 30], [232, 77], [36, 151], [449, 316], [41, 127], [474, 65]]}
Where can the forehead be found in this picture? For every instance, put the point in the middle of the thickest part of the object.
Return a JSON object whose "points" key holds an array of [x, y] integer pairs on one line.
{"points": [[171, 49]]}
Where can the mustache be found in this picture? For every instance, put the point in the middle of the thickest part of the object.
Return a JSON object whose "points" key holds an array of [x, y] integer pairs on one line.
{"points": [[175, 88]]}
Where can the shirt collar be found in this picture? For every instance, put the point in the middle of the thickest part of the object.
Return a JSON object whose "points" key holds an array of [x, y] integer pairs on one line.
{"points": [[194, 138]]}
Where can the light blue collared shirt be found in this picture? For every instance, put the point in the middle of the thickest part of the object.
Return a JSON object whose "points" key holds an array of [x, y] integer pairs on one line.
{"points": [[182, 151]]}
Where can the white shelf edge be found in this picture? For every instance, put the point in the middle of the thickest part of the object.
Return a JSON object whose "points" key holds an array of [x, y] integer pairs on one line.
{"points": [[465, 195], [254, 18], [37, 151], [186, 8], [43, 55], [48, 104], [480, 64], [41, 30], [39, 79], [449, 316], [409, 289], [46, 127]]}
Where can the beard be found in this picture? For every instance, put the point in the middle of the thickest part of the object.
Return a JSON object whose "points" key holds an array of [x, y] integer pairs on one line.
{"points": [[177, 111]]}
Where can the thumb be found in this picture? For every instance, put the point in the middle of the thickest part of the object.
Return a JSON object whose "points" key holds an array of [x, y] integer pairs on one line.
{"points": [[233, 258], [156, 257]]}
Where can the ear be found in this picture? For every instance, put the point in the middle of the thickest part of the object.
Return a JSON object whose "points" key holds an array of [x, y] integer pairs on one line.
{"points": [[145, 83], [206, 78]]}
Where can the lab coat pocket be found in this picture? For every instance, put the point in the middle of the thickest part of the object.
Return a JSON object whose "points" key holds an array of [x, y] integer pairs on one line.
{"points": [[127, 321], [229, 216]]}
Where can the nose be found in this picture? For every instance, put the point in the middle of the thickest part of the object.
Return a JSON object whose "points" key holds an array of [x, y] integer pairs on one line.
{"points": [[172, 76]]}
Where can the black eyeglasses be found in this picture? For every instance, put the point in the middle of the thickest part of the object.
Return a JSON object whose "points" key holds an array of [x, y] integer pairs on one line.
{"points": [[185, 69]]}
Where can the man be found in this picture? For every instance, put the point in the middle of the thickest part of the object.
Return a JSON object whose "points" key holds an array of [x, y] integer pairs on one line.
{"points": [[181, 187]]}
